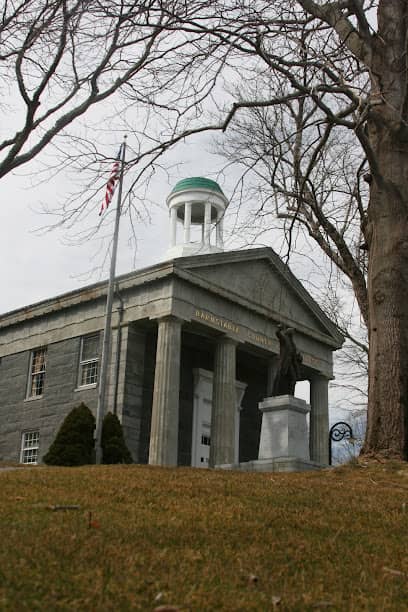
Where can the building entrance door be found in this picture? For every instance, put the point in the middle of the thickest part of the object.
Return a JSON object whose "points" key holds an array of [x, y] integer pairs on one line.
{"points": [[201, 434]]}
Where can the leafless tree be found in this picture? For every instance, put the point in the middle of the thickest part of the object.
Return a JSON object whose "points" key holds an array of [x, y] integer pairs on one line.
{"points": [[338, 70], [351, 362], [272, 146], [335, 73], [61, 58]]}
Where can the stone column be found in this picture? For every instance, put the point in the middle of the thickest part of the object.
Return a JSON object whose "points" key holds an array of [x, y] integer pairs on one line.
{"points": [[207, 223], [319, 419], [187, 222], [173, 226], [222, 449], [165, 409], [219, 230]]}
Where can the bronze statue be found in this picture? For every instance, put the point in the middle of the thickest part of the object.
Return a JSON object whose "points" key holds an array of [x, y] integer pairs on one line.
{"points": [[290, 359]]}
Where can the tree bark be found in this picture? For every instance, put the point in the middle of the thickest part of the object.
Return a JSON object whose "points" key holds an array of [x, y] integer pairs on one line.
{"points": [[387, 429], [388, 307]]}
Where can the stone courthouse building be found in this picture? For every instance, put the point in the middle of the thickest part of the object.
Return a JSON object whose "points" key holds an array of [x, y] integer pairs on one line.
{"points": [[194, 349]]}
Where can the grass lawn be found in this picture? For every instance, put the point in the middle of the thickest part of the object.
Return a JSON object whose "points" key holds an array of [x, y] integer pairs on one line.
{"points": [[143, 538]]}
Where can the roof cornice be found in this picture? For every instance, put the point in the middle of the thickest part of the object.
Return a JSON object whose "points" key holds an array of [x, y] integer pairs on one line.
{"points": [[86, 294]]}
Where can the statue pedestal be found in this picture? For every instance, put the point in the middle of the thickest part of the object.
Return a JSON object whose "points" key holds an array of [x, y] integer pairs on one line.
{"points": [[284, 432], [284, 444]]}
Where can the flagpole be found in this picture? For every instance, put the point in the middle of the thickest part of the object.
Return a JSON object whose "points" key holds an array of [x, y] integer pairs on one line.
{"points": [[106, 345]]}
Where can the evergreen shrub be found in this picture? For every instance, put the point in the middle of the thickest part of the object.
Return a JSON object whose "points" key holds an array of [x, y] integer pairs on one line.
{"points": [[114, 449], [74, 442]]}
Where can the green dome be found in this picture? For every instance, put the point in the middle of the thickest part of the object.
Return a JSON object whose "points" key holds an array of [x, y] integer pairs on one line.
{"points": [[197, 182]]}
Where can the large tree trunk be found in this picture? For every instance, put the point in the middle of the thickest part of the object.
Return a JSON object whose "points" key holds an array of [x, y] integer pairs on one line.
{"points": [[387, 432], [388, 308]]}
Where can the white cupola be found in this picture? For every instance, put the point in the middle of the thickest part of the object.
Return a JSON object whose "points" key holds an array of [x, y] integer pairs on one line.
{"points": [[197, 207]]}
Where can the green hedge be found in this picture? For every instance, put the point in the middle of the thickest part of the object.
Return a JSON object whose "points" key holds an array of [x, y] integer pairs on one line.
{"points": [[74, 442], [114, 449]]}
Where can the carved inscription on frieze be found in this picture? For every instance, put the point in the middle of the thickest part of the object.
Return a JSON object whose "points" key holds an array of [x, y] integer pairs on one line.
{"points": [[218, 321], [260, 339], [248, 335], [233, 327]]}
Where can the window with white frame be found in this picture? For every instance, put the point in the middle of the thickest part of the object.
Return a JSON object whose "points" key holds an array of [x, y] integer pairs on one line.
{"points": [[88, 361], [36, 377], [30, 445]]}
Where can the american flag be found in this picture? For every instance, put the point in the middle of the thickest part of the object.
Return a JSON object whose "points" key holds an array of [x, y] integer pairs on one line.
{"points": [[111, 184]]}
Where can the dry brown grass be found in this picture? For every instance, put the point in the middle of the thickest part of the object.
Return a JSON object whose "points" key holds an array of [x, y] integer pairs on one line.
{"points": [[149, 538]]}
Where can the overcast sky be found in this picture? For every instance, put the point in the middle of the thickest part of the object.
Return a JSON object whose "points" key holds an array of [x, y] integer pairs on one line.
{"points": [[38, 265]]}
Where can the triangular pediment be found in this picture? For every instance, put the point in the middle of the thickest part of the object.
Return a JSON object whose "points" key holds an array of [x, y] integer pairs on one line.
{"points": [[259, 277]]}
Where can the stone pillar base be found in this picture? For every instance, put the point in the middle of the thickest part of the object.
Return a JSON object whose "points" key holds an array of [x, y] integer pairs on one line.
{"points": [[284, 431]]}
